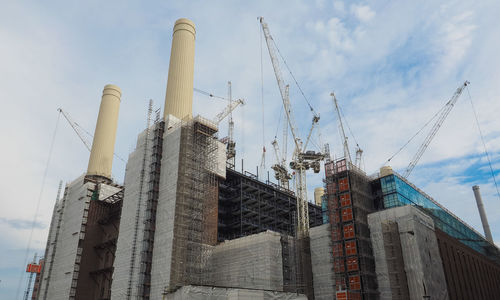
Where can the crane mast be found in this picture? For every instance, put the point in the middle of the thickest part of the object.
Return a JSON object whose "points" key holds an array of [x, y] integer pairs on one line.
{"points": [[301, 160], [448, 106], [228, 111], [279, 79], [347, 154], [231, 145]]}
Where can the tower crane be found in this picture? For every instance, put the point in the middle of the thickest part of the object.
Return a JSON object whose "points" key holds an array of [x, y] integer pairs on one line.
{"points": [[280, 169], [229, 141], [80, 131], [301, 160], [347, 153], [432, 133], [223, 114]]}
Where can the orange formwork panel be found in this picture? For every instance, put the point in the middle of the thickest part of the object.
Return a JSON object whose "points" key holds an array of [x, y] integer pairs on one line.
{"points": [[345, 199], [354, 282], [346, 214], [329, 169], [343, 184], [347, 295], [340, 166], [352, 264], [349, 231], [350, 248], [341, 295]]}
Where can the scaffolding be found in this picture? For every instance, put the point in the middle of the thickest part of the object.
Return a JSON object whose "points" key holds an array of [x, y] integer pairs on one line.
{"points": [[350, 200], [153, 186], [248, 206], [394, 259], [195, 227], [98, 245]]}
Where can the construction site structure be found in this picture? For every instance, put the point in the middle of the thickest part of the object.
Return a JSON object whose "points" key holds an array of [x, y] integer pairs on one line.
{"points": [[302, 160], [318, 195], [82, 237], [101, 154], [34, 268], [350, 200], [187, 226], [179, 94]]}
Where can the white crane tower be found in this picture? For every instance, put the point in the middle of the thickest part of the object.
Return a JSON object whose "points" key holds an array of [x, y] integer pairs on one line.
{"points": [[302, 160]]}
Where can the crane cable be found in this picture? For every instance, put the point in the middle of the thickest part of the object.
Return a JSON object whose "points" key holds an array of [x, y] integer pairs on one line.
{"points": [[209, 94], [348, 127], [484, 144], [263, 160], [295, 80], [417, 133], [42, 188]]}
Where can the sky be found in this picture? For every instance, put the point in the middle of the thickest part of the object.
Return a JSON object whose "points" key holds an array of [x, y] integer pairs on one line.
{"points": [[391, 64]]}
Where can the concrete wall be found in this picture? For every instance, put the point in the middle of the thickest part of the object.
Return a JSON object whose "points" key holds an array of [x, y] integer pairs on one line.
{"points": [[126, 269], [253, 262], [64, 270], [165, 215], [422, 261], [50, 248], [322, 262]]}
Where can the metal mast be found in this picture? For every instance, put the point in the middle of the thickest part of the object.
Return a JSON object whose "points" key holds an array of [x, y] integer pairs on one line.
{"points": [[30, 280], [347, 154], [301, 160], [448, 106], [231, 145]]}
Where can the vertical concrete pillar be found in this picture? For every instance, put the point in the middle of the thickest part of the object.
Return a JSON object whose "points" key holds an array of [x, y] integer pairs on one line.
{"points": [[103, 146], [318, 193], [482, 213], [179, 95]]}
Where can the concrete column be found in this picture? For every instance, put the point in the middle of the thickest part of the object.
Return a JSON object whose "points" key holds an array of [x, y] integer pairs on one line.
{"points": [[482, 213], [103, 146], [318, 192], [179, 96]]}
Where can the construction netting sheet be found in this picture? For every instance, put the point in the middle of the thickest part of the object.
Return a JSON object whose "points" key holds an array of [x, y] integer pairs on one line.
{"points": [[202, 293]]}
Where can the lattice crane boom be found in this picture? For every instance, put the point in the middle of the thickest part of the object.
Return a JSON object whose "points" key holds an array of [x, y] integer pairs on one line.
{"points": [[347, 154], [432, 133], [301, 160], [223, 114], [279, 79], [76, 128]]}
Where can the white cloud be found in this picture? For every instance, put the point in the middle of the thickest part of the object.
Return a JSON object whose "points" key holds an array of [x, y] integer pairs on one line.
{"points": [[339, 6], [363, 12]]}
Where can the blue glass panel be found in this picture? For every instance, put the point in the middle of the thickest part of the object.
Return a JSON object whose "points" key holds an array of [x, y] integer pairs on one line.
{"points": [[398, 193]]}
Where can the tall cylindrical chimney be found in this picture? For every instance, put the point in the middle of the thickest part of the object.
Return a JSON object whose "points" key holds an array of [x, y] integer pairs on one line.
{"points": [[318, 193], [103, 146], [179, 96], [482, 213]]}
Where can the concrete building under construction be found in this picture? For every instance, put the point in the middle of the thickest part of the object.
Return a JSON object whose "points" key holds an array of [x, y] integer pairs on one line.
{"points": [[186, 226]]}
